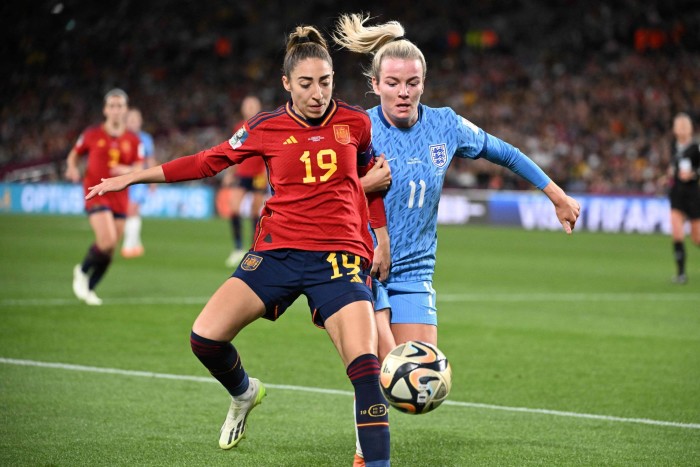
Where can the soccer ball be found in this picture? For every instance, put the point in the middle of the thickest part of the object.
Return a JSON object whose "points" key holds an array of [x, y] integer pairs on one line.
{"points": [[415, 377]]}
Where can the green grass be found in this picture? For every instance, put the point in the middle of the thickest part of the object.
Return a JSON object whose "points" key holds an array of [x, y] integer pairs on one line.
{"points": [[587, 324]]}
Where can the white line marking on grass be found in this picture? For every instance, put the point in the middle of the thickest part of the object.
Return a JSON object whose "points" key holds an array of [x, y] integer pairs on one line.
{"points": [[107, 301], [570, 297], [518, 297], [558, 413], [202, 379]]}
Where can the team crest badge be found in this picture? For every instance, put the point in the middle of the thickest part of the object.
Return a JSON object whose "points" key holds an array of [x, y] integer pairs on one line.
{"points": [[342, 133], [126, 146], [438, 154], [251, 262], [238, 138]]}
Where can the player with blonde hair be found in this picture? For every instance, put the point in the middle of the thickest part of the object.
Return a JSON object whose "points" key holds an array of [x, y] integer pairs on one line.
{"points": [[419, 143], [684, 193]]}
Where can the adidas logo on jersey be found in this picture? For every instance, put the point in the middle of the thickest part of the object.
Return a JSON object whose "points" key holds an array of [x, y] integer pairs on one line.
{"points": [[290, 140]]}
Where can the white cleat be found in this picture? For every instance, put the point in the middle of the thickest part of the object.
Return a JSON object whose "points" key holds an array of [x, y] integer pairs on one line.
{"points": [[92, 299], [233, 429], [80, 283]]}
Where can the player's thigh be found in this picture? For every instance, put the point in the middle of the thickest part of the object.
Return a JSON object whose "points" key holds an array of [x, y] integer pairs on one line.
{"points": [[695, 231], [385, 336], [353, 330], [232, 307], [134, 209], [105, 228], [237, 194], [414, 332], [120, 225]]}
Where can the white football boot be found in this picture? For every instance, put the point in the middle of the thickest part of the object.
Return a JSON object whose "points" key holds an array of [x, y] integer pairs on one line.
{"points": [[80, 283], [233, 429]]}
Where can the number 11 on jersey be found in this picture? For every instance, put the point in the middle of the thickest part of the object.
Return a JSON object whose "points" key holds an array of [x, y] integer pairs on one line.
{"points": [[412, 195]]}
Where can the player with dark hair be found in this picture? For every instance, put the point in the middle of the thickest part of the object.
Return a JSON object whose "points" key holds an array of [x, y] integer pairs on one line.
{"points": [[419, 143], [249, 176], [685, 191], [311, 239], [111, 150]]}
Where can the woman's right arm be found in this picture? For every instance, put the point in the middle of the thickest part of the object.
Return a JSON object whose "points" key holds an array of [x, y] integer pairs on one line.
{"points": [[151, 175]]}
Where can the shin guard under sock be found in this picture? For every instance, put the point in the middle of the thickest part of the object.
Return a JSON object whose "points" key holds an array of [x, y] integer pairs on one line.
{"points": [[222, 361], [236, 231], [371, 410], [96, 263], [679, 256]]}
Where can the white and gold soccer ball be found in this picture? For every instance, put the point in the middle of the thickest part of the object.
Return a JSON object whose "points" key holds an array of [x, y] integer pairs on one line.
{"points": [[415, 377]]}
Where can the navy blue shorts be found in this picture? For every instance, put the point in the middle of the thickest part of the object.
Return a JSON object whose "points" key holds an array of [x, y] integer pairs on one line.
{"points": [[329, 280], [257, 183], [117, 215]]}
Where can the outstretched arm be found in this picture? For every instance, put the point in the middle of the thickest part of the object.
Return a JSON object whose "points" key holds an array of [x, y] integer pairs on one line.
{"points": [[204, 164], [499, 152], [152, 175]]}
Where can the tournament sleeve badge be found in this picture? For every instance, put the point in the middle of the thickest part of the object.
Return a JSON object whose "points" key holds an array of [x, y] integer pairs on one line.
{"points": [[238, 138]]}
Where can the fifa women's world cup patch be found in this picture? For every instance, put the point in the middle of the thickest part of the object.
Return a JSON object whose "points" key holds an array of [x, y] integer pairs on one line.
{"points": [[238, 138], [251, 262], [342, 133], [438, 154]]}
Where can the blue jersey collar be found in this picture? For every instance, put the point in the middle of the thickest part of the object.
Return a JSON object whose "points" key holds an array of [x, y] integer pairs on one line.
{"points": [[386, 123]]}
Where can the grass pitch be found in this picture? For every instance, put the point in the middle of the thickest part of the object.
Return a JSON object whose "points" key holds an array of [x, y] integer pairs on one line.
{"points": [[565, 351]]}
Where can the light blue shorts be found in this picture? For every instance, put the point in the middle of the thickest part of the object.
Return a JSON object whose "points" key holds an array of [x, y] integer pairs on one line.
{"points": [[138, 193], [409, 302]]}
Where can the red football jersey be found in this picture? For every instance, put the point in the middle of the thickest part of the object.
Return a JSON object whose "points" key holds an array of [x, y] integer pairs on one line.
{"points": [[104, 152], [317, 201], [251, 167]]}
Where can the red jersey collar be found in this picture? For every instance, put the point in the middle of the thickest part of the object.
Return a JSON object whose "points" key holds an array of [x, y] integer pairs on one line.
{"points": [[322, 121]]}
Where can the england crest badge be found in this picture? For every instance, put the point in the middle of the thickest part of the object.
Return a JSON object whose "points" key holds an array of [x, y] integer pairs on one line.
{"points": [[438, 154]]}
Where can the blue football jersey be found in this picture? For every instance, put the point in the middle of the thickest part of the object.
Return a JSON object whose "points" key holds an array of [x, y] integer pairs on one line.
{"points": [[147, 142], [419, 157]]}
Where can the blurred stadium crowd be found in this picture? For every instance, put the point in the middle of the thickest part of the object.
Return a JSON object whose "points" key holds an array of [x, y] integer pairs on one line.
{"points": [[587, 89]]}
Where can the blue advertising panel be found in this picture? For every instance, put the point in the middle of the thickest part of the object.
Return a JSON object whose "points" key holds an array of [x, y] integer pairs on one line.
{"points": [[190, 202], [599, 213]]}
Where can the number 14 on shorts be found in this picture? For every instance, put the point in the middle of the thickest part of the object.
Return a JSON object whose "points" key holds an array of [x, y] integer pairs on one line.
{"points": [[350, 264]]}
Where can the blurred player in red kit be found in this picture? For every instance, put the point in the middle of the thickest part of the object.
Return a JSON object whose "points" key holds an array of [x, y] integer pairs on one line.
{"points": [[111, 150], [250, 176]]}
